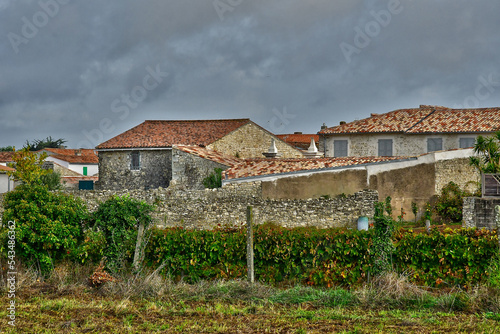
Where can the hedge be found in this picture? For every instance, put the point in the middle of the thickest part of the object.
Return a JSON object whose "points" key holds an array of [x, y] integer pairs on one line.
{"points": [[322, 257]]}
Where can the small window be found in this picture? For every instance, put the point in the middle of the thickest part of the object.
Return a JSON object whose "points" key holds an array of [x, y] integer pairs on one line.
{"points": [[340, 148], [85, 171], [135, 163], [434, 144], [385, 147], [467, 142]]}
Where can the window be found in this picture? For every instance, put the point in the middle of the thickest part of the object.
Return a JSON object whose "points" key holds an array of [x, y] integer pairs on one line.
{"points": [[85, 171], [385, 147], [135, 161], [434, 144], [340, 148], [467, 142]]}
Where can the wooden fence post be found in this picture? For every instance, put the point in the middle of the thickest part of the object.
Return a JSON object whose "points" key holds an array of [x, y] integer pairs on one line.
{"points": [[497, 222], [250, 267]]}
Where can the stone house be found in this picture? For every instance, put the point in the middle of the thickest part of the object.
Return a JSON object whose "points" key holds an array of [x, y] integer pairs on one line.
{"points": [[155, 153], [409, 132]]}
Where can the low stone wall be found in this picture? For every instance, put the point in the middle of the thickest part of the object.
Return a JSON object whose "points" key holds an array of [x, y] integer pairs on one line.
{"points": [[205, 209], [480, 212], [201, 209]]}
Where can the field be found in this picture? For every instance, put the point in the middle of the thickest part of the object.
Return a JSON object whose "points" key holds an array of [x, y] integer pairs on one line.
{"points": [[64, 303]]}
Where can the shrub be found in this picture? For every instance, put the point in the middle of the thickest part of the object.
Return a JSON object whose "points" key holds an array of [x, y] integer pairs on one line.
{"points": [[214, 180], [49, 226], [52, 180], [448, 206], [119, 218], [382, 246]]}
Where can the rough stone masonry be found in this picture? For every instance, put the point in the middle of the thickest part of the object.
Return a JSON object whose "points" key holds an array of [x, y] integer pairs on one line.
{"points": [[206, 209]]}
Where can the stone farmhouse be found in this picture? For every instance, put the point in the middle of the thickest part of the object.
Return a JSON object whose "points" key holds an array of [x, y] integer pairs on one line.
{"points": [[409, 132], [160, 153]]}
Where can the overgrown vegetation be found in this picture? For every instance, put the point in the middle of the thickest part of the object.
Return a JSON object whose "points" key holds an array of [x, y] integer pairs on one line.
{"points": [[120, 219], [49, 225], [214, 180], [449, 204], [382, 246]]}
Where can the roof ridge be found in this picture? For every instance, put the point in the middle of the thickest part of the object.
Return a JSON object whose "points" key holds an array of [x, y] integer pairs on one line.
{"points": [[421, 120], [198, 120]]}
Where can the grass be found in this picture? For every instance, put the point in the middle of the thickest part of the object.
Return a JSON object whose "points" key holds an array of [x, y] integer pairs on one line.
{"points": [[148, 304]]}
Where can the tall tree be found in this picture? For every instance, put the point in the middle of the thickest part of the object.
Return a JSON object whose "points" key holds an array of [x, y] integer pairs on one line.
{"points": [[28, 167], [49, 142]]}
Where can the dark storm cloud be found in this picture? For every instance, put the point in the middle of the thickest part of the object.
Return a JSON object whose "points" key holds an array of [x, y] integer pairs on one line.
{"points": [[88, 70]]}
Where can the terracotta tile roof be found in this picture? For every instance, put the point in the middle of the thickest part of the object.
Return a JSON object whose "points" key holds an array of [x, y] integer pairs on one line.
{"points": [[301, 141], [151, 134], [6, 169], [426, 119], [260, 167], [6, 156], [460, 120], [78, 156], [223, 159]]}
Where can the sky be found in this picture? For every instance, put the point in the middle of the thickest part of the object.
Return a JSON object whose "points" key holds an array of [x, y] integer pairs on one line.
{"points": [[85, 71]]}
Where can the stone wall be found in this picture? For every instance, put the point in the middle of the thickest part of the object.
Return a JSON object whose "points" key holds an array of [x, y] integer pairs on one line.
{"points": [[115, 172], [480, 212], [403, 145], [201, 209], [189, 170], [459, 171], [250, 141]]}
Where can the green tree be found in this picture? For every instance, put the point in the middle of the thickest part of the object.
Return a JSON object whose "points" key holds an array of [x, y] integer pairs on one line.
{"points": [[49, 142], [28, 167], [7, 149], [487, 150], [49, 225]]}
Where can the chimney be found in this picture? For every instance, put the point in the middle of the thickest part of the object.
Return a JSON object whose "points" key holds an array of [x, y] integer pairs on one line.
{"points": [[342, 122], [297, 133], [273, 151], [323, 127], [312, 152]]}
